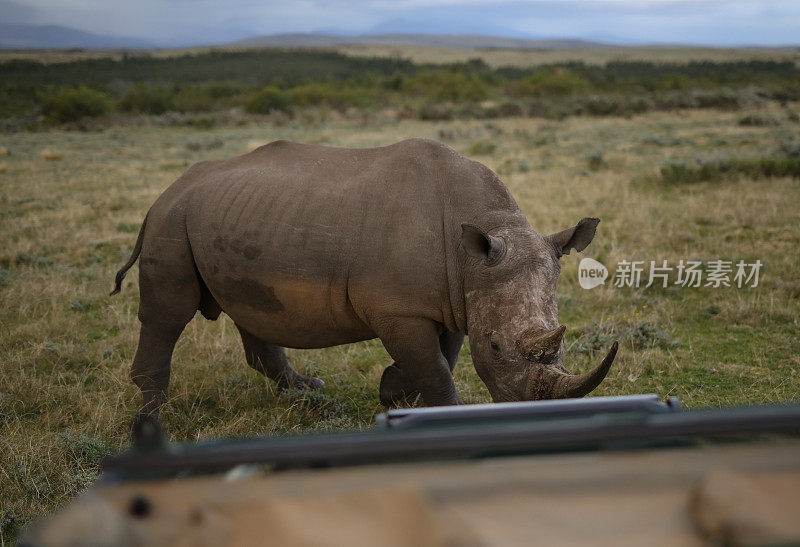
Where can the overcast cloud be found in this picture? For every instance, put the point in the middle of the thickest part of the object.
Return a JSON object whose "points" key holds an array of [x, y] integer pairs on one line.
{"points": [[185, 22]]}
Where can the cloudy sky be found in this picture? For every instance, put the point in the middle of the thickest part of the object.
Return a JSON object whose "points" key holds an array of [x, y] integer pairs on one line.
{"points": [[184, 22]]}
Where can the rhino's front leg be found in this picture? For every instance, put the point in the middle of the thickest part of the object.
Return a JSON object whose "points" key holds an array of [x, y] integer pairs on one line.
{"points": [[397, 389], [415, 346]]}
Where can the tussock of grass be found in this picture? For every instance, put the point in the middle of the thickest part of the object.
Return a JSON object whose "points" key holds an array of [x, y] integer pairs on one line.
{"points": [[758, 120], [129, 227], [482, 148]]}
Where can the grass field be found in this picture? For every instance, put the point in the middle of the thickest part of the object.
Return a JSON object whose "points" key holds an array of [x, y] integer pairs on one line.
{"points": [[72, 202]]}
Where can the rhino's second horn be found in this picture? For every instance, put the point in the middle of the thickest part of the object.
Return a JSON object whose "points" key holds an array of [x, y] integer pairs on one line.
{"points": [[578, 385]]}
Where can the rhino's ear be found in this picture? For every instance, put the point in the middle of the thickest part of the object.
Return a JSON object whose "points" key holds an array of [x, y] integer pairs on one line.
{"points": [[578, 237], [481, 245]]}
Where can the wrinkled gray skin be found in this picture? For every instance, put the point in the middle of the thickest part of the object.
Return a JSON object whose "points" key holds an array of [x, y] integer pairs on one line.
{"points": [[308, 246]]}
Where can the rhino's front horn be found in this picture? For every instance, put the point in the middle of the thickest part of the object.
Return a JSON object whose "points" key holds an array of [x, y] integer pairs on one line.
{"points": [[578, 385], [541, 346]]}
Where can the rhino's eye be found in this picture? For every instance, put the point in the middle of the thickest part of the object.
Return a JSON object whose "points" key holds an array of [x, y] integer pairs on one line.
{"points": [[493, 341]]}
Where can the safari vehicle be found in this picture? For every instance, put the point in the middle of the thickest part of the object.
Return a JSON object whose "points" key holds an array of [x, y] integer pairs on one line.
{"points": [[627, 470]]}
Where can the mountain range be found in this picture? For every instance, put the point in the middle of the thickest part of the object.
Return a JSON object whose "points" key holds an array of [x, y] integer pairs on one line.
{"points": [[57, 37], [18, 36], [23, 36], [468, 41]]}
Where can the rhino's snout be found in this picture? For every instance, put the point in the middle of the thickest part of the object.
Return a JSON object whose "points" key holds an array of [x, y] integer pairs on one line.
{"points": [[553, 381], [539, 353]]}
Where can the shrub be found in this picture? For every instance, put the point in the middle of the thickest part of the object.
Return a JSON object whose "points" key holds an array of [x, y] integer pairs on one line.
{"points": [[396, 82], [641, 335], [611, 105], [791, 148], [332, 95], [445, 85], [725, 100], [72, 104], [506, 109], [269, 99], [201, 122], [6, 276], [141, 99], [646, 335], [83, 449], [551, 81], [596, 161], [435, 112]]}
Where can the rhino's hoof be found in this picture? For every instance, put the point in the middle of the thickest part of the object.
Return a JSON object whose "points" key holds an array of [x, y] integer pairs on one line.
{"points": [[314, 383], [393, 390], [301, 382], [304, 382]]}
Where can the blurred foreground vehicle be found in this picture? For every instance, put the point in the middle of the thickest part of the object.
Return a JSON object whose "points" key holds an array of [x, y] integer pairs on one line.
{"points": [[611, 470]]}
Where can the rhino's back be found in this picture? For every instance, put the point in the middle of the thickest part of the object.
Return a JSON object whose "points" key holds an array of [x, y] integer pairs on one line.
{"points": [[307, 245]]}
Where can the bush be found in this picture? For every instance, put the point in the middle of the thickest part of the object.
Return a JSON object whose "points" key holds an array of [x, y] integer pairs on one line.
{"points": [[72, 104], [267, 100], [725, 100], [332, 95], [613, 105], [396, 82], [205, 98], [640, 335], [596, 161], [506, 109], [555, 81], [83, 449], [141, 99], [445, 85], [435, 112]]}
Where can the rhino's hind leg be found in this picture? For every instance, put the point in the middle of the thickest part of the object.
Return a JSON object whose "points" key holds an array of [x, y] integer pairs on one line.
{"points": [[396, 388], [169, 295], [151, 366], [420, 363], [271, 361]]}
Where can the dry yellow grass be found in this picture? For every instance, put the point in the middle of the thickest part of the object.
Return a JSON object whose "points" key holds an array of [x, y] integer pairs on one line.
{"points": [[65, 347], [593, 56]]}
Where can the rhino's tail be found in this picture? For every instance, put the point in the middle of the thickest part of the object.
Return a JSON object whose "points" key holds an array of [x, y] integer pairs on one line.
{"points": [[137, 249]]}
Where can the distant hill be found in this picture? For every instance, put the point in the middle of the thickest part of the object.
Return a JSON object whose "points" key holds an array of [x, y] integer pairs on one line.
{"points": [[58, 37], [464, 41]]}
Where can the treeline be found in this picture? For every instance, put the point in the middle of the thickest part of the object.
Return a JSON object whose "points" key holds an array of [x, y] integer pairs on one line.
{"points": [[263, 81]]}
